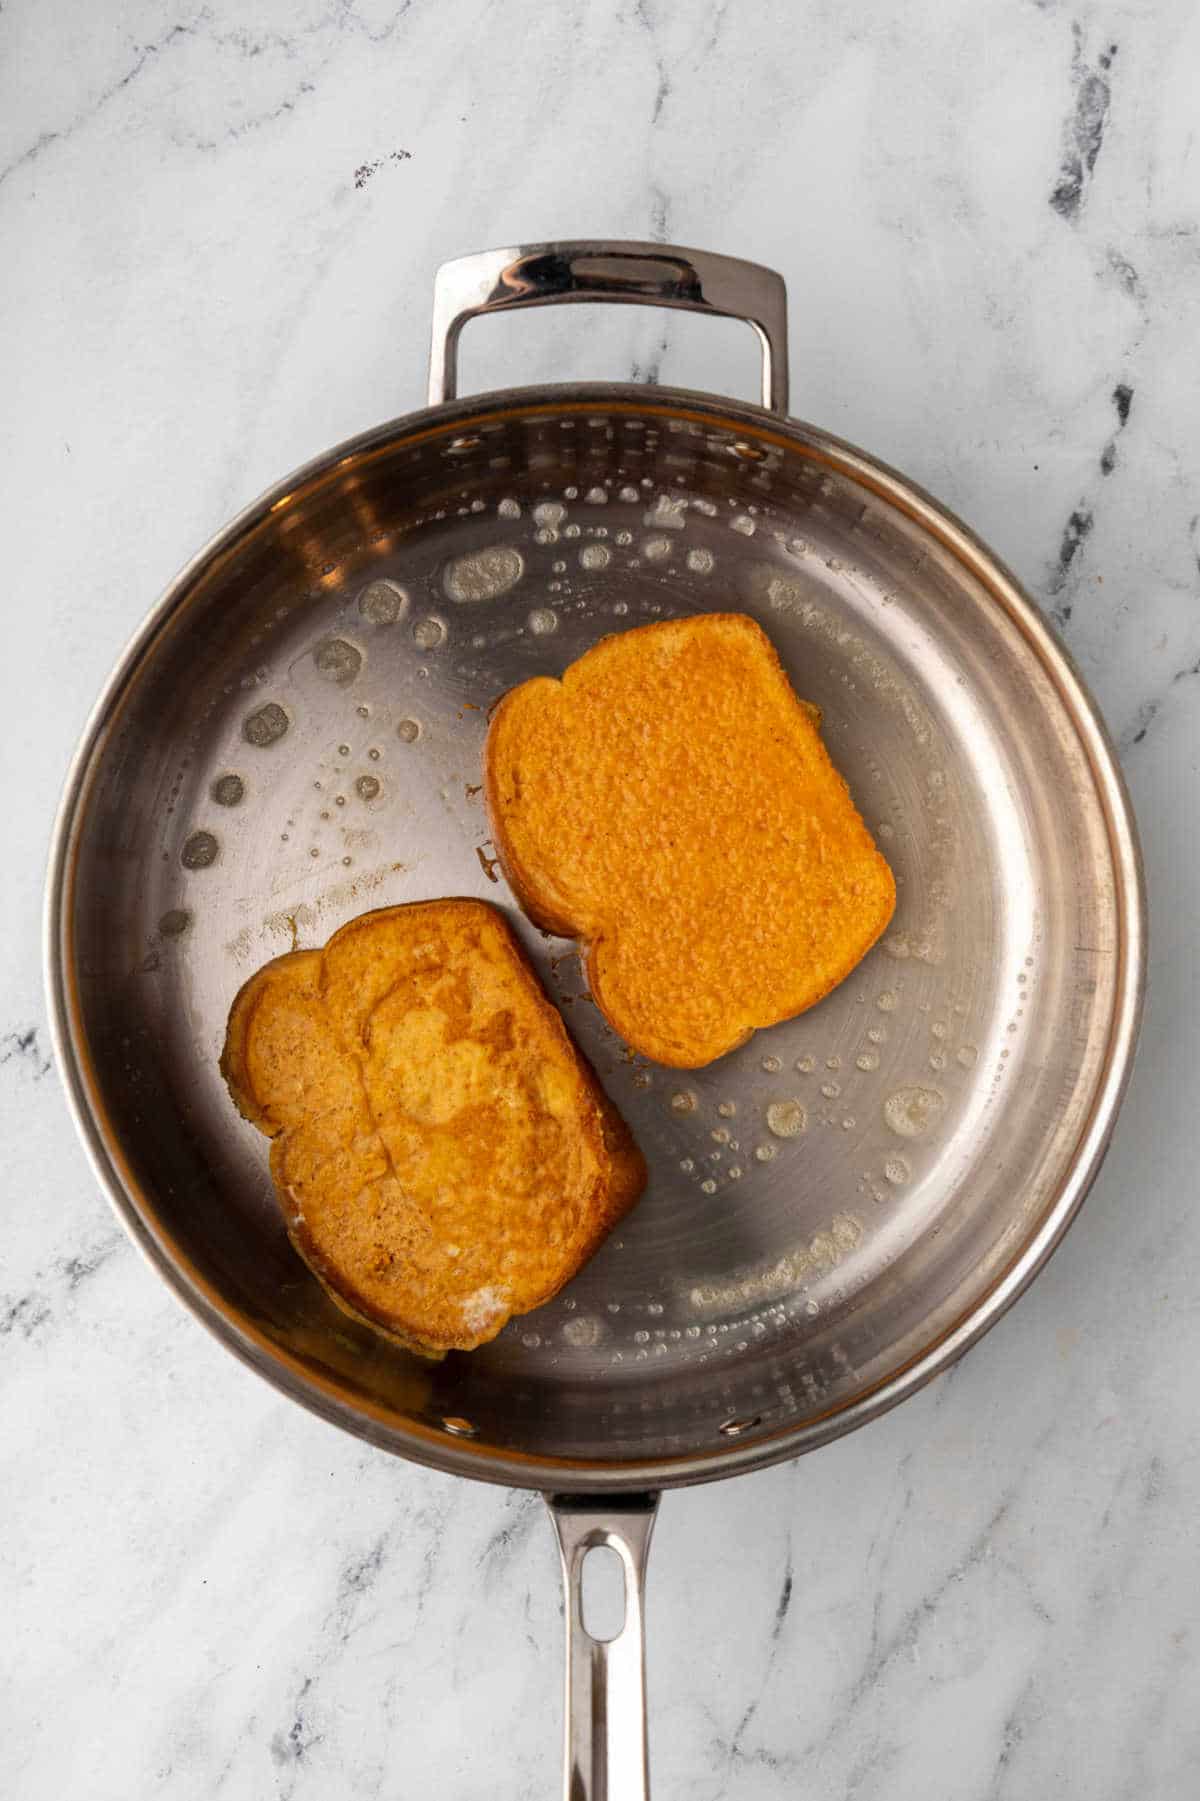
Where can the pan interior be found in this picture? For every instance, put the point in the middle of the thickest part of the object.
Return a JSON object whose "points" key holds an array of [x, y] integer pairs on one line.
{"points": [[299, 740]]}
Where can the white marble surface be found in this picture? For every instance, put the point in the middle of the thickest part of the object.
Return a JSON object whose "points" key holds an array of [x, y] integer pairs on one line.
{"points": [[219, 224]]}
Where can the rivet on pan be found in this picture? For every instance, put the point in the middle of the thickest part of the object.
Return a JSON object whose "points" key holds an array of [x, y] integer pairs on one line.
{"points": [[461, 1428], [457, 446], [735, 1428], [749, 453]]}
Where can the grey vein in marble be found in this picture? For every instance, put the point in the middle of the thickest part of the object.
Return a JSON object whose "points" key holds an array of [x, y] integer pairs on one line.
{"points": [[1084, 133]]}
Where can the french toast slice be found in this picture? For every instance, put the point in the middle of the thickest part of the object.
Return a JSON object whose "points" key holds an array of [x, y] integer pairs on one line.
{"points": [[443, 1156], [670, 803]]}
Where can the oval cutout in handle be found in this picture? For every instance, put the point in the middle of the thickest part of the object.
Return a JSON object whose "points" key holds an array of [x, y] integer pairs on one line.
{"points": [[602, 1594]]}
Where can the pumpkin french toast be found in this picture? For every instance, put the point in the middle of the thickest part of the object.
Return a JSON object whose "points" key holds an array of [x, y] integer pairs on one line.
{"points": [[670, 803], [443, 1155]]}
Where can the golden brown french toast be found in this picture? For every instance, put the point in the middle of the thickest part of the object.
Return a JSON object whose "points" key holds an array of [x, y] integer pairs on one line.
{"points": [[670, 802], [443, 1155]]}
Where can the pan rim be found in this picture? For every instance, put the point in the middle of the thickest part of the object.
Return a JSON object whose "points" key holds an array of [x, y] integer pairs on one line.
{"points": [[428, 1445]]}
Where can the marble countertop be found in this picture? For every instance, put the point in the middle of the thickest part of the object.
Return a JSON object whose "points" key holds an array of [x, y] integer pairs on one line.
{"points": [[220, 225]]}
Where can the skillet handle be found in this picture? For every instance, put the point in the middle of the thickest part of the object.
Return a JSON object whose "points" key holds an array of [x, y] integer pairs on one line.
{"points": [[605, 1738], [601, 269]]}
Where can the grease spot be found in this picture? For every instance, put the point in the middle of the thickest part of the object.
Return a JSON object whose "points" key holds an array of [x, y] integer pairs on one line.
{"points": [[778, 1280], [200, 851], [382, 602], [669, 512], [429, 633], [337, 660], [583, 1332], [484, 574], [786, 1119], [911, 1111], [228, 790], [266, 725]]}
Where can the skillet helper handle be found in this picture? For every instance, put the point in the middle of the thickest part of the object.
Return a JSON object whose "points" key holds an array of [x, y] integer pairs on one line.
{"points": [[602, 269], [605, 1737]]}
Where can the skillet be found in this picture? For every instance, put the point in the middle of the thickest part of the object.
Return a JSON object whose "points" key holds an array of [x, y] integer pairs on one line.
{"points": [[837, 1210]]}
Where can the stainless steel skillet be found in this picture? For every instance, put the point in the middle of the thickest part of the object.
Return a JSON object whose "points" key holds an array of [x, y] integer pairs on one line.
{"points": [[837, 1210]]}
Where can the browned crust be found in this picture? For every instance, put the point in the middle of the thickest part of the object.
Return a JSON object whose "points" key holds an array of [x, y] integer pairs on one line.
{"points": [[246, 1003], [524, 882]]}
